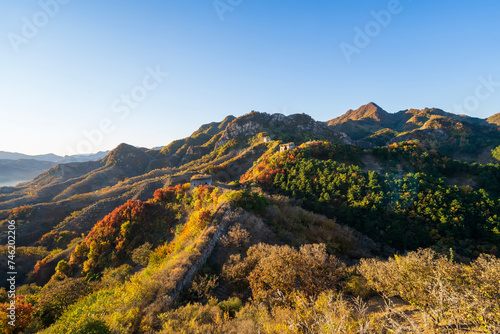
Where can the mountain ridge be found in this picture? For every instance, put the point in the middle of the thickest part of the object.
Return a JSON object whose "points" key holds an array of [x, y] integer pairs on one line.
{"points": [[368, 126], [460, 136]]}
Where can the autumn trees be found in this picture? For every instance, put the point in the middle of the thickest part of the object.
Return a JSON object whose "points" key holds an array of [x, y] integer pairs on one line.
{"points": [[23, 314], [109, 241], [274, 272], [114, 238], [413, 206]]}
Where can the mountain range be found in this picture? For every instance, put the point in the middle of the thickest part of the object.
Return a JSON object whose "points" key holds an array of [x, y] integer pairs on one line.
{"points": [[464, 137], [53, 157], [367, 183], [227, 149]]}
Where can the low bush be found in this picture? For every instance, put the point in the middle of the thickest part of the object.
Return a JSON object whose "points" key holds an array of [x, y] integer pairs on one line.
{"points": [[450, 294]]}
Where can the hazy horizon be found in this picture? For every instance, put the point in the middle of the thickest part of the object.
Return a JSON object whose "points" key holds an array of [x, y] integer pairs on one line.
{"points": [[83, 77]]}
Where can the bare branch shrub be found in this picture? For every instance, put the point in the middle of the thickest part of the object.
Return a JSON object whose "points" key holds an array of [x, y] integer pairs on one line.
{"points": [[237, 236], [453, 296]]}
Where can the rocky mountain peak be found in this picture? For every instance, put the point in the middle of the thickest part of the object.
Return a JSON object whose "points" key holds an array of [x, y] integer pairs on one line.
{"points": [[367, 111], [255, 122]]}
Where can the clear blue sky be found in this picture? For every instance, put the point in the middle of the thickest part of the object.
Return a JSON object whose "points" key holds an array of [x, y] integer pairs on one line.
{"points": [[274, 56]]}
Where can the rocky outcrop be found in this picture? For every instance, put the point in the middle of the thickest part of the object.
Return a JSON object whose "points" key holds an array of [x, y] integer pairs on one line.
{"points": [[194, 152], [256, 122], [235, 129]]}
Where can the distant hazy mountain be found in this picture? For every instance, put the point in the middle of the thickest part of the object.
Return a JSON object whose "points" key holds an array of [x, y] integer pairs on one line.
{"points": [[15, 156], [18, 167], [21, 170], [82, 157], [52, 157]]}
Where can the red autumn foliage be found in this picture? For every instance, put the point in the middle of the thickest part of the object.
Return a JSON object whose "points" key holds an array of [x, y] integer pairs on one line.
{"points": [[169, 194], [23, 313], [109, 227]]}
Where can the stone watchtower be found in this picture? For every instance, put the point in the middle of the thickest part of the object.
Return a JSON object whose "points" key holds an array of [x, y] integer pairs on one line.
{"points": [[201, 180], [287, 147]]}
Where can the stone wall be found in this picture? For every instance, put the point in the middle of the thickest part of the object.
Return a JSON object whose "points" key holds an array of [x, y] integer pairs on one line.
{"points": [[222, 218]]}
